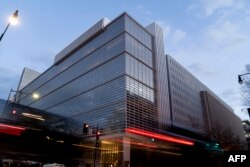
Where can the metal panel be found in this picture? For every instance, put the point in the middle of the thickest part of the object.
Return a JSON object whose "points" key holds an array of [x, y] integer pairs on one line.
{"points": [[161, 74], [187, 111], [84, 37]]}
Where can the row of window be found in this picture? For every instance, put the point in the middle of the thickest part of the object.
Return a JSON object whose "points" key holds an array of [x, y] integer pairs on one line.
{"points": [[109, 50], [139, 89], [99, 76], [139, 71], [110, 32], [101, 96], [186, 84], [138, 32], [191, 103], [186, 100], [113, 30], [106, 118], [138, 50], [141, 109], [183, 89], [80, 96], [89, 63], [186, 122], [183, 113], [176, 67]]}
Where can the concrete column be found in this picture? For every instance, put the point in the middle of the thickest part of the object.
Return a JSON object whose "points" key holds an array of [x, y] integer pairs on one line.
{"points": [[126, 152]]}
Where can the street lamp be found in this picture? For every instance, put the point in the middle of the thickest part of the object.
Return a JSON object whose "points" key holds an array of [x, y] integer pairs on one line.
{"points": [[33, 95], [240, 79], [12, 21]]}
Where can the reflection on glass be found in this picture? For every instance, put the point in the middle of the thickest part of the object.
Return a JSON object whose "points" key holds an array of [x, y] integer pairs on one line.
{"points": [[139, 89], [38, 117]]}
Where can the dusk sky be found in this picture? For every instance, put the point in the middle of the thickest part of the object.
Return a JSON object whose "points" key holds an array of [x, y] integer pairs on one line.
{"points": [[211, 38]]}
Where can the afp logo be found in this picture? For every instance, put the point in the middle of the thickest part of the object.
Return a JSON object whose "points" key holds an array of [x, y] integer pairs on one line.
{"points": [[236, 159]]}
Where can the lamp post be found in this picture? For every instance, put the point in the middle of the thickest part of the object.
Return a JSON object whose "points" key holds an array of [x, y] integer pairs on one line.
{"points": [[12, 21], [34, 96], [240, 78]]}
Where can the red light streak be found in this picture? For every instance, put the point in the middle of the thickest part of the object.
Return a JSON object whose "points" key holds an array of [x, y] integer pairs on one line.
{"points": [[11, 130], [159, 136]]}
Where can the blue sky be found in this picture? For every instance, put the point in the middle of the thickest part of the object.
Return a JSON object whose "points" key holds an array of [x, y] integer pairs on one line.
{"points": [[211, 38]]}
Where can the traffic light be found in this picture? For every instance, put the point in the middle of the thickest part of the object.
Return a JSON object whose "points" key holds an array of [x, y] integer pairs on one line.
{"points": [[248, 111], [97, 136], [98, 133], [213, 146], [85, 128]]}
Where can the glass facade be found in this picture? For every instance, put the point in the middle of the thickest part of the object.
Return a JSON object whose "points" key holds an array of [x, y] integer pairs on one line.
{"points": [[187, 111], [108, 82], [141, 104], [88, 50]]}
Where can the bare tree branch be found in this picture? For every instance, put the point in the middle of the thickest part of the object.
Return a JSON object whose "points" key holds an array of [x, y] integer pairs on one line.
{"points": [[245, 88]]}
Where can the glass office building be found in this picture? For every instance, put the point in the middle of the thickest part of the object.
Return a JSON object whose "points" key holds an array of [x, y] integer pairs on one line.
{"points": [[115, 78], [195, 108], [185, 98], [106, 81], [105, 78]]}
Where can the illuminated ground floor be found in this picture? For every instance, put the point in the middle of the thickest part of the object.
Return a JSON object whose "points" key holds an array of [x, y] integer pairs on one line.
{"points": [[149, 150], [132, 148]]}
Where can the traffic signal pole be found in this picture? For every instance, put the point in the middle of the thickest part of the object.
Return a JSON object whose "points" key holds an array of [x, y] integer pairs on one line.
{"points": [[97, 135]]}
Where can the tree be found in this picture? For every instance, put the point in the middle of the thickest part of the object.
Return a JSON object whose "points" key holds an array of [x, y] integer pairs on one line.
{"points": [[245, 88], [227, 139]]}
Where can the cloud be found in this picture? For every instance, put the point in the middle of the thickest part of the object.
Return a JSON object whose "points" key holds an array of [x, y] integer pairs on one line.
{"points": [[178, 35], [215, 45], [200, 69], [241, 113], [38, 61], [247, 66], [228, 92], [9, 79], [223, 33], [210, 7], [172, 35], [230, 95], [10, 72], [139, 12], [143, 10], [247, 16], [216, 50]]}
